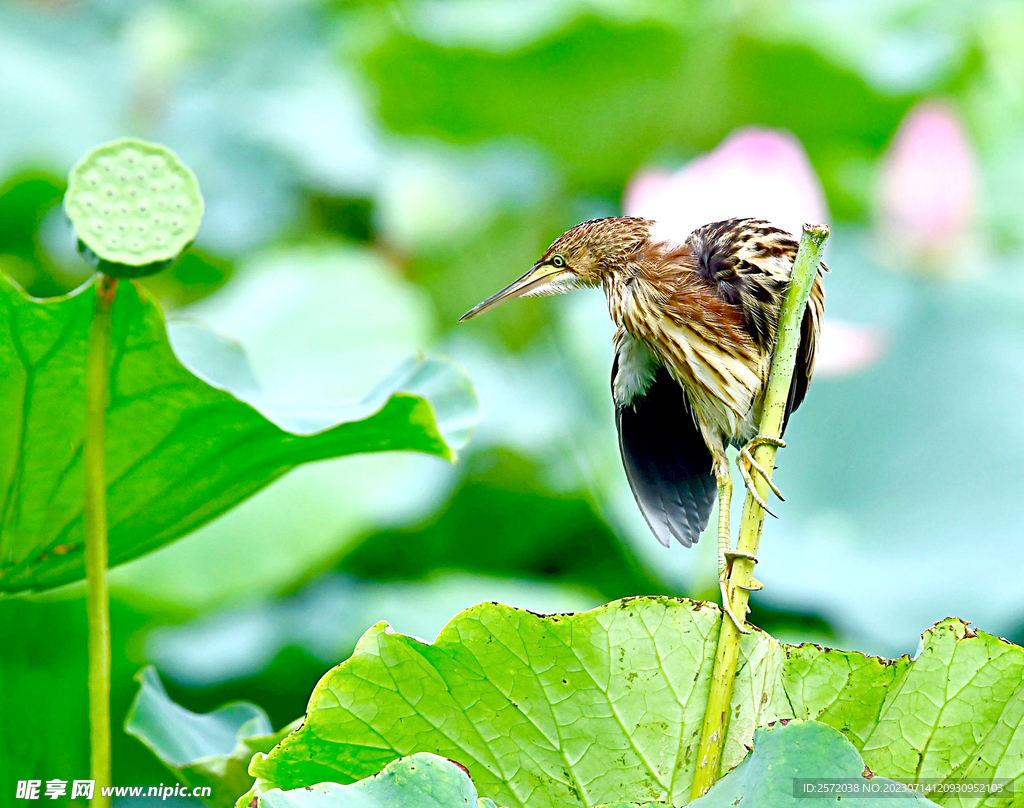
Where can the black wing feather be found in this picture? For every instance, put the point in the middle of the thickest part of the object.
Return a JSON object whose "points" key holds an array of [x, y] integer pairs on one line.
{"points": [[802, 371], [667, 463]]}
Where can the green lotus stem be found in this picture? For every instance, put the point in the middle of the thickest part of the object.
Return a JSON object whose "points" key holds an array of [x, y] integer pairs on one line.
{"points": [[97, 600], [805, 267]]}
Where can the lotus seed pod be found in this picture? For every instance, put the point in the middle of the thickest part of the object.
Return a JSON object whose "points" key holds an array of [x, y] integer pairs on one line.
{"points": [[134, 206]]}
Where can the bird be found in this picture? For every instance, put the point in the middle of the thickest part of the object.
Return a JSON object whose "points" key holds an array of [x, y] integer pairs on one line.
{"points": [[695, 327]]}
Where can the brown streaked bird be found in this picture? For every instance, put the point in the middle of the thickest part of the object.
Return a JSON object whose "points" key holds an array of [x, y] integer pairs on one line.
{"points": [[696, 326]]}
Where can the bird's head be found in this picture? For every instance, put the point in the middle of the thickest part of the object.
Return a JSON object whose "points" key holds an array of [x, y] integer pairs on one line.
{"points": [[582, 257]]}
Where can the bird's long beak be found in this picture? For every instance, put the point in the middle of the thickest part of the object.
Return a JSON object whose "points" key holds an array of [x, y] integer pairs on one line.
{"points": [[538, 275]]}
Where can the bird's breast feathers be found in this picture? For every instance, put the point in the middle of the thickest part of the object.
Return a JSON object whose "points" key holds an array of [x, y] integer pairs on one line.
{"points": [[720, 371], [635, 367]]}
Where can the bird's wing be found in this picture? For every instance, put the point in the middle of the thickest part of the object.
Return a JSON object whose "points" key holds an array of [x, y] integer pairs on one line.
{"points": [[749, 263], [810, 329], [667, 463]]}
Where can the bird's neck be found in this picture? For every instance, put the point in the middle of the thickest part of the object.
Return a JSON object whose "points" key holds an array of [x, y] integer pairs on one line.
{"points": [[640, 282], [624, 291]]}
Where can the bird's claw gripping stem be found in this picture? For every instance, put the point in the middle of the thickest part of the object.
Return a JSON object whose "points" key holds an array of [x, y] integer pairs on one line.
{"points": [[746, 463], [753, 586], [742, 629]]}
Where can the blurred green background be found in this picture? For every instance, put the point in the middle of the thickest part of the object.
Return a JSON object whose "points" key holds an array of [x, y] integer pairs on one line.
{"points": [[373, 169]]}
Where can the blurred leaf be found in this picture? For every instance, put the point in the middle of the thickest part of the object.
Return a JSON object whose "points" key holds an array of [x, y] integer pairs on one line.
{"points": [[519, 698], [179, 452], [461, 272], [896, 45], [435, 194], [63, 86], [781, 85], [344, 217], [585, 90], [34, 666], [191, 277], [315, 116], [213, 749], [583, 86], [417, 781], [302, 310], [43, 736], [531, 531], [757, 71], [573, 93], [25, 200], [796, 749], [323, 622]]}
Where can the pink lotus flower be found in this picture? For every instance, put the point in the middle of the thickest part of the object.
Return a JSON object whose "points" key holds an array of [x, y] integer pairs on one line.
{"points": [[756, 172], [845, 348], [928, 188]]}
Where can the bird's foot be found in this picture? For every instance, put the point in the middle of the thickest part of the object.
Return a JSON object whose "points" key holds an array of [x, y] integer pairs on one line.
{"points": [[754, 585], [747, 464], [723, 585]]}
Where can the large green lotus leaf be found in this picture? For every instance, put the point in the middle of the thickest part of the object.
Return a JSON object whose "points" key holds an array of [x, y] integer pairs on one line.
{"points": [[179, 451], [212, 749], [418, 781], [585, 709]]}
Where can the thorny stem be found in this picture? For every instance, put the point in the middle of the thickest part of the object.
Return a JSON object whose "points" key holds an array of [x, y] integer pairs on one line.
{"points": [[97, 377], [805, 267]]}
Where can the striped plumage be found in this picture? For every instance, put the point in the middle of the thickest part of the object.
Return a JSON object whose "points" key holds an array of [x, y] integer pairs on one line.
{"points": [[696, 327], [707, 312]]}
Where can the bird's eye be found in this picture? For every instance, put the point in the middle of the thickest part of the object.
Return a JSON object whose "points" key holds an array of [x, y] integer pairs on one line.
{"points": [[557, 261]]}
